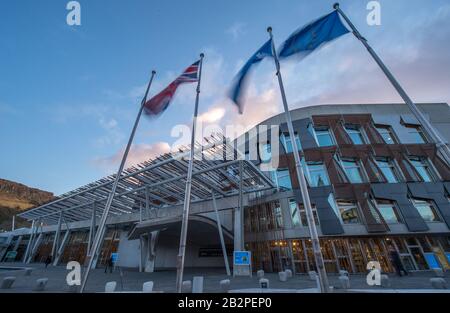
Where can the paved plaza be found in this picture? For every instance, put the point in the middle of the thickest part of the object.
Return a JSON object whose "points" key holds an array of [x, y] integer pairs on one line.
{"points": [[131, 280]]}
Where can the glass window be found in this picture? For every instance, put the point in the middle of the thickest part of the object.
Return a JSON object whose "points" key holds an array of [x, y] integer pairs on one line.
{"points": [[265, 152], [295, 215], [324, 137], [287, 142], [348, 211], [422, 168], [353, 170], [302, 213], [416, 134], [387, 167], [387, 133], [281, 178], [355, 133], [426, 210], [278, 216], [332, 203], [388, 211], [317, 174]]}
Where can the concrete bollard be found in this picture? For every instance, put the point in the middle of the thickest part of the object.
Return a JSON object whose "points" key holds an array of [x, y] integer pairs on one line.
{"points": [[282, 276], [264, 283], [438, 272], [385, 282], [147, 287], [7, 282], [197, 284], [225, 285], [260, 274], [345, 282], [40, 284], [438, 283], [312, 275], [28, 271], [288, 273], [343, 273], [186, 286], [110, 286]]}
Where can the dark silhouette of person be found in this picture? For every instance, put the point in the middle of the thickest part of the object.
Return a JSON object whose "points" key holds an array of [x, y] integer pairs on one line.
{"points": [[48, 260], [396, 262], [109, 264]]}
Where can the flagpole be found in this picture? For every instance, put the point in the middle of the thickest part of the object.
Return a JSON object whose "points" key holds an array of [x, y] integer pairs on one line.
{"points": [[101, 228], [187, 194], [430, 130], [323, 279]]}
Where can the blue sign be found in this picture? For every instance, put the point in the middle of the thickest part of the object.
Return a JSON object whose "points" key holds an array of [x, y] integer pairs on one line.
{"points": [[431, 260], [114, 257], [241, 257], [448, 256]]}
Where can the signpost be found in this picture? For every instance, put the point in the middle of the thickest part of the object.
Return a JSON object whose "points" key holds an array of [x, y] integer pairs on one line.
{"points": [[242, 263]]}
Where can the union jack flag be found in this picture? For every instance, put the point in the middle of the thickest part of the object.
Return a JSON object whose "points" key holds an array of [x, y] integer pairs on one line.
{"points": [[161, 101]]}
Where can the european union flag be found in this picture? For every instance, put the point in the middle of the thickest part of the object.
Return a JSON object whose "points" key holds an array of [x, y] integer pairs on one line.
{"points": [[240, 81], [313, 35]]}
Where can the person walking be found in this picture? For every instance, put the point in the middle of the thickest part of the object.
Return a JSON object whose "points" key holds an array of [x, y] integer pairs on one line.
{"points": [[396, 262], [109, 264], [48, 260]]}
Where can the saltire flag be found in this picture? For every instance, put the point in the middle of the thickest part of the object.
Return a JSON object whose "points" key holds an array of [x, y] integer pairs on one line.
{"points": [[160, 102], [241, 79], [313, 35]]}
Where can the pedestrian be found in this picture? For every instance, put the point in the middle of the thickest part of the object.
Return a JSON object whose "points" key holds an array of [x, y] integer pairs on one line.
{"points": [[109, 264], [396, 262], [48, 260]]}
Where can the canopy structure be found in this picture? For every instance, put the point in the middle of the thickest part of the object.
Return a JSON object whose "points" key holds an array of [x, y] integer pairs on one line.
{"points": [[159, 183]]}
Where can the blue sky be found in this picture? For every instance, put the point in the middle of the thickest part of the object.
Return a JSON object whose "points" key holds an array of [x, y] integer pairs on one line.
{"points": [[69, 94]]}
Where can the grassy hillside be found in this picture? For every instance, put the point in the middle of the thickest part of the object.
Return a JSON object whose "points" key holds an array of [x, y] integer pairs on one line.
{"points": [[14, 198]]}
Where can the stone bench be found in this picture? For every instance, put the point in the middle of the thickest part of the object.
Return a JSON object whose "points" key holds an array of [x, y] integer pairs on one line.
{"points": [[438, 283], [312, 275], [110, 286], [7, 282], [197, 284], [344, 282], [147, 287], [264, 283], [186, 286], [260, 274], [288, 273], [225, 285], [40, 284], [282, 276]]}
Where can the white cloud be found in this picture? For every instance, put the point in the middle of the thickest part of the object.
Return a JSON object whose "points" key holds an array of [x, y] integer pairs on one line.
{"points": [[138, 153], [213, 115], [236, 30]]}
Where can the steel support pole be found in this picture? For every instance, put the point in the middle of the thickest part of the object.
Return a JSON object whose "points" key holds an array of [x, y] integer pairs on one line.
{"points": [[241, 203], [30, 241], [222, 241], [13, 224], [92, 229], [187, 194], [322, 274], [442, 147], [56, 238], [101, 228]]}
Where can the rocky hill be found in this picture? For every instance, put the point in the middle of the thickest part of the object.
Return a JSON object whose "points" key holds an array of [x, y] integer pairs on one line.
{"points": [[15, 197]]}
